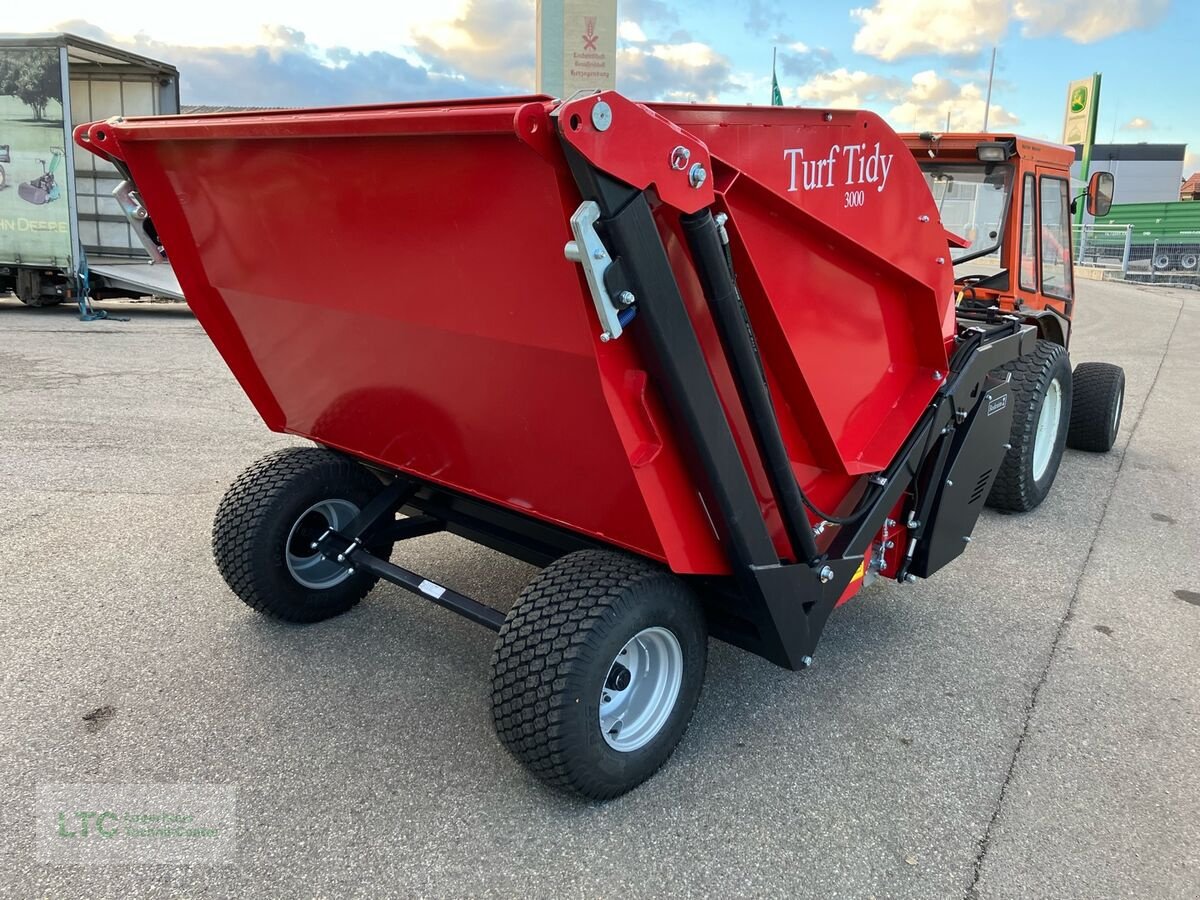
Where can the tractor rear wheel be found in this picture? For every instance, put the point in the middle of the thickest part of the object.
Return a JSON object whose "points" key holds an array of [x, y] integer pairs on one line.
{"points": [[266, 524], [1041, 389], [1096, 409], [597, 671]]}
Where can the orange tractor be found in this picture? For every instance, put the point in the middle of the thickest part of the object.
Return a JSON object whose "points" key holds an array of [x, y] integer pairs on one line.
{"points": [[1006, 204]]}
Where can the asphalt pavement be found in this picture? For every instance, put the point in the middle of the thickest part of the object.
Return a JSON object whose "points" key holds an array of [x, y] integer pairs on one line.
{"points": [[1025, 724]]}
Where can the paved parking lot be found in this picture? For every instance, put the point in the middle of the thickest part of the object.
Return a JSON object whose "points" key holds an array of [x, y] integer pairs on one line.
{"points": [[1026, 724]]}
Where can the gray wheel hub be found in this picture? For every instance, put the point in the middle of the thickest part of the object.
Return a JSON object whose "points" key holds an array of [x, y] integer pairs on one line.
{"points": [[306, 565], [641, 689]]}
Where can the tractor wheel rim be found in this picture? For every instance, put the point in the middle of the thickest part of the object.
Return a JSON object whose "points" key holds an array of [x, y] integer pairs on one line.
{"points": [[311, 569], [640, 689], [1046, 435]]}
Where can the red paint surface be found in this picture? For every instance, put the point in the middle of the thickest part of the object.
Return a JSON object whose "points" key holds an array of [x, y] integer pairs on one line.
{"points": [[390, 281]]}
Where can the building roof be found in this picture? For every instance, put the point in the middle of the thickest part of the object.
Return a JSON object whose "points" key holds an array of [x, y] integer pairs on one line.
{"points": [[82, 50], [189, 109], [1142, 152], [1192, 185]]}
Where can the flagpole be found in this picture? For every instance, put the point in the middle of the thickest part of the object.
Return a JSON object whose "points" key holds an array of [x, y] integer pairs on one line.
{"points": [[987, 104]]}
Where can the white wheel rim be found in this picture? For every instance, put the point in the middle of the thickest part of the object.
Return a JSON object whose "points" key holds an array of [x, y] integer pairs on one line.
{"points": [[1116, 422], [1047, 429], [640, 689], [310, 568]]}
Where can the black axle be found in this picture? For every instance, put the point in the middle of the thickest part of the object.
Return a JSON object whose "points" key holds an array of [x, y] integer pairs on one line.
{"points": [[378, 522]]}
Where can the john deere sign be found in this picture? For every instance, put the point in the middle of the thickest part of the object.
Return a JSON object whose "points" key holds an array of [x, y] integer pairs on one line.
{"points": [[1081, 105]]}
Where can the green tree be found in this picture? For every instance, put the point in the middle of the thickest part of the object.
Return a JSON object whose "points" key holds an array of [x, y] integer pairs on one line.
{"points": [[32, 76]]}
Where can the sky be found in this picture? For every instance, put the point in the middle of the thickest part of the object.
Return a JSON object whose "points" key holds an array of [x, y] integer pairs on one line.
{"points": [[912, 61]]}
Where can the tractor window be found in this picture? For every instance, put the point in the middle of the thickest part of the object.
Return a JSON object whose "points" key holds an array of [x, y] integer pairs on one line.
{"points": [[1056, 237], [972, 199], [1028, 236]]}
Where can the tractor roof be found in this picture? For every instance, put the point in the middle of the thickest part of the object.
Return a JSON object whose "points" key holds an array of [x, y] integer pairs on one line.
{"points": [[966, 144]]}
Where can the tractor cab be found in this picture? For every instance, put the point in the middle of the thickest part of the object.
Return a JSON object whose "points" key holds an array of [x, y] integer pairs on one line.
{"points": [[1006, 203]]}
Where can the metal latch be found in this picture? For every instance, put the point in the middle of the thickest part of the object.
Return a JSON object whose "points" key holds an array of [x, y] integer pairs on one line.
{"points": [[131, 204], [589, 251]]}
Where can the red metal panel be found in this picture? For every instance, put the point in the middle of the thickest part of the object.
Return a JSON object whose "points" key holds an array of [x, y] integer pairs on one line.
{"points": [[390, 280], [440, 332]]}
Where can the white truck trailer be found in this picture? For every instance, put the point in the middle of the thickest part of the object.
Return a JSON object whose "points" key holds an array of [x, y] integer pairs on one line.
{"points": [[60, 226]]}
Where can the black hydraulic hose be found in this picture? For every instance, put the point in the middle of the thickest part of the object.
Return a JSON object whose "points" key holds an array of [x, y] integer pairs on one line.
{"points": [[716, 279]]}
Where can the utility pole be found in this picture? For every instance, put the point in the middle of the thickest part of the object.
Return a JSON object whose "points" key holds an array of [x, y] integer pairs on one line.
{"points": [[987, 104]]}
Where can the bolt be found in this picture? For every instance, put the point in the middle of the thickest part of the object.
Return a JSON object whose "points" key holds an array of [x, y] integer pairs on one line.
{"points": [[805, 662], [350, 571], [598, 253], [889, 545], [1008, 446], [910, 578], [679, 158], [922, 218], [624, 652], [341, 557], [966, 539], [826, 574], [605, 337], [937, 376], [626, 298], [828, 117], [607, 698], [697, 175], [313, 545], [949, 483], [889, 523], [941, 260], [601, 116]]}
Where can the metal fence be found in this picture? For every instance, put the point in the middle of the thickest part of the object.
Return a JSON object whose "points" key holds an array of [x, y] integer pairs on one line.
{"points": [[1162, 258]]}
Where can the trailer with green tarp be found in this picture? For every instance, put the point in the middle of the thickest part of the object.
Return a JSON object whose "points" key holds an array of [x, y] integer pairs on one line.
{"points": [[1163, 236]]}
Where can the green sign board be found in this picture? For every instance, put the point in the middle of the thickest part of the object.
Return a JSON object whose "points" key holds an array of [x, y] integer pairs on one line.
{"points": [[34, 215]]}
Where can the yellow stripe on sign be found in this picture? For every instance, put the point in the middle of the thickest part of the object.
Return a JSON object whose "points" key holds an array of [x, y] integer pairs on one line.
{"points": [[858, 573]]}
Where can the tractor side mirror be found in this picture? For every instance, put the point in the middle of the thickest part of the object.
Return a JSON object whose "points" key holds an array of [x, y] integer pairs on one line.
{"points": [[1100, 193]]}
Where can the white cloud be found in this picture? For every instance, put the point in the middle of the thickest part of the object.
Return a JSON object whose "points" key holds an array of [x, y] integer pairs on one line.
{"points": [[921, 103], [1087, 21], [893, 29], [631, 31], [681, 72], [489, 40], [1137, 123], [843, 89], [1191, 163]]}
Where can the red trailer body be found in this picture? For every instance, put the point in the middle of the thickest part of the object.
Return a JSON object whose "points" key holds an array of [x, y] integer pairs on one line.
{"points": [[719, 338], [389, 280]]}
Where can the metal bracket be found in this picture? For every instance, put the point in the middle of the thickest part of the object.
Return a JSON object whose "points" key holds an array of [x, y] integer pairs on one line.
{"points": [[131, 204], [589, 251]]}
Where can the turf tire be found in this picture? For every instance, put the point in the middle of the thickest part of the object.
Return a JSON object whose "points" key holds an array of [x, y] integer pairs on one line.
{"points": [[554, 654], [256, 515], [1016, 489], [1099, 398]]}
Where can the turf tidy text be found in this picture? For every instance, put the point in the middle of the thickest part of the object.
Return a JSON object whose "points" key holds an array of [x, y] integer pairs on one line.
{"points": [[844, 164]]}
